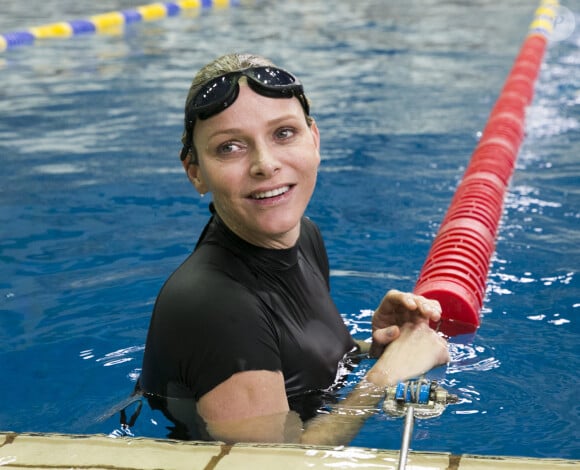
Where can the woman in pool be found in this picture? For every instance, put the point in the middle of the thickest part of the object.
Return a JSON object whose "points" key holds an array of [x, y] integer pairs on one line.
{"points": [[244, 333]]}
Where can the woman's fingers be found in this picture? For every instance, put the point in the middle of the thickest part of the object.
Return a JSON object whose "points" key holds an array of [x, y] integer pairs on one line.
{"points": [[400, 307], [397, 309], [429, 308]]}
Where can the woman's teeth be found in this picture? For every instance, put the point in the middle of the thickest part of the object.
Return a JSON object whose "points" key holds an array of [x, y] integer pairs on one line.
{"points": [[272, 193]]}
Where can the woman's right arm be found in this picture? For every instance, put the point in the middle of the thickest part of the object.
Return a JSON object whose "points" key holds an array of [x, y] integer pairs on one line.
{"points": [[251, 406], [233, 409], [416, 350], [401, 321]]}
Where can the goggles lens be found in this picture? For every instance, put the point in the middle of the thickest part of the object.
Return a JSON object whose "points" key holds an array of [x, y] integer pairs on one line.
{"points": [[214, 97]]}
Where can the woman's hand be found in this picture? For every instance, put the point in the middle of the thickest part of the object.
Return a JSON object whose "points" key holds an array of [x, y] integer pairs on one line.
{"points": [[396, 309], [417, 350]]}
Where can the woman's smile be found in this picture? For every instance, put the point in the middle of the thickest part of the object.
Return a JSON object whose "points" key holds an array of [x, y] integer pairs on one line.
{"points": [[271, 193]]}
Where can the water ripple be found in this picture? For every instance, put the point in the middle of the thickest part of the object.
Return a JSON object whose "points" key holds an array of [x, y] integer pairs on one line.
{"points": [[120, 356], [469, 357]]}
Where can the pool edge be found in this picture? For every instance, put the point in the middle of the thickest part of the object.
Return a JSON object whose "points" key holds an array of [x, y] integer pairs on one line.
{"points": [[47, 450]]}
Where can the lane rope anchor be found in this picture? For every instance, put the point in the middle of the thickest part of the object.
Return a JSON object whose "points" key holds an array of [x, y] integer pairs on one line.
{"points": [[416, 398], [427, 397]]}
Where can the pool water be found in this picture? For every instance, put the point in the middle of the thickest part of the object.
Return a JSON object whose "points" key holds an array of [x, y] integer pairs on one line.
{"points": [[95, 211]]}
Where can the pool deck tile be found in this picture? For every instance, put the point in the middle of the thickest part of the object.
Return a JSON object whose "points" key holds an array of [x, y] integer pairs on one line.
{"points": [[99, 452], [515, 463], [52, 451]]}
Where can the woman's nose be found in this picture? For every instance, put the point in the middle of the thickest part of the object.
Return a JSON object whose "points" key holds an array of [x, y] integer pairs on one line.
{"points": [[265, 163]]}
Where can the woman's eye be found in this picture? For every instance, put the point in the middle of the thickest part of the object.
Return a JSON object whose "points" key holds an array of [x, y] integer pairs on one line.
{"points": [[228, 147], [285, 133]]}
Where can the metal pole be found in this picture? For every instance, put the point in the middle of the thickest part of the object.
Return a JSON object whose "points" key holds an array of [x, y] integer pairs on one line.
{"points": [[407, 434]]}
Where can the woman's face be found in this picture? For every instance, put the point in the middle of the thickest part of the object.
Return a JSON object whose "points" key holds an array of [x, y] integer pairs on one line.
{"points": [[260, 159]]}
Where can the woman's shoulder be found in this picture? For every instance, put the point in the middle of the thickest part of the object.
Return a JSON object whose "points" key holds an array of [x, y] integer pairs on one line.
{"points": [[205, 283], [201, 276]]}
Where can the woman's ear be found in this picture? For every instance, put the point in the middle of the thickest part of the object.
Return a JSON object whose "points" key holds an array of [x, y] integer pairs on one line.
{"points": [[315, 134], [194, 175]]}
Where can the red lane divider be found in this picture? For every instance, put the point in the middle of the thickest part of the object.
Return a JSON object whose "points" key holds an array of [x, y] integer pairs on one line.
{"points": [[455, 271]]}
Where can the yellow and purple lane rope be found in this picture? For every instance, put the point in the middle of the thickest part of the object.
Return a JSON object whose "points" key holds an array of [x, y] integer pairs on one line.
{"points": [[107, 21]]}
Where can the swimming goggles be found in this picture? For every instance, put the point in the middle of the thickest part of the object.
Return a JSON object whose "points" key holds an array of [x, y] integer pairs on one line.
{"points": [[221, 92]]}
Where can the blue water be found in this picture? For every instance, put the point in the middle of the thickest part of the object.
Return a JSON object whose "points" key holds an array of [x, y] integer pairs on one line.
{"points": [[95, 211]]}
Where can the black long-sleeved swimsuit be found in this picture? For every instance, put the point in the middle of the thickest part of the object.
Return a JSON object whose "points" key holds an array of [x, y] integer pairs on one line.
{"points": [[232, 307]]}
